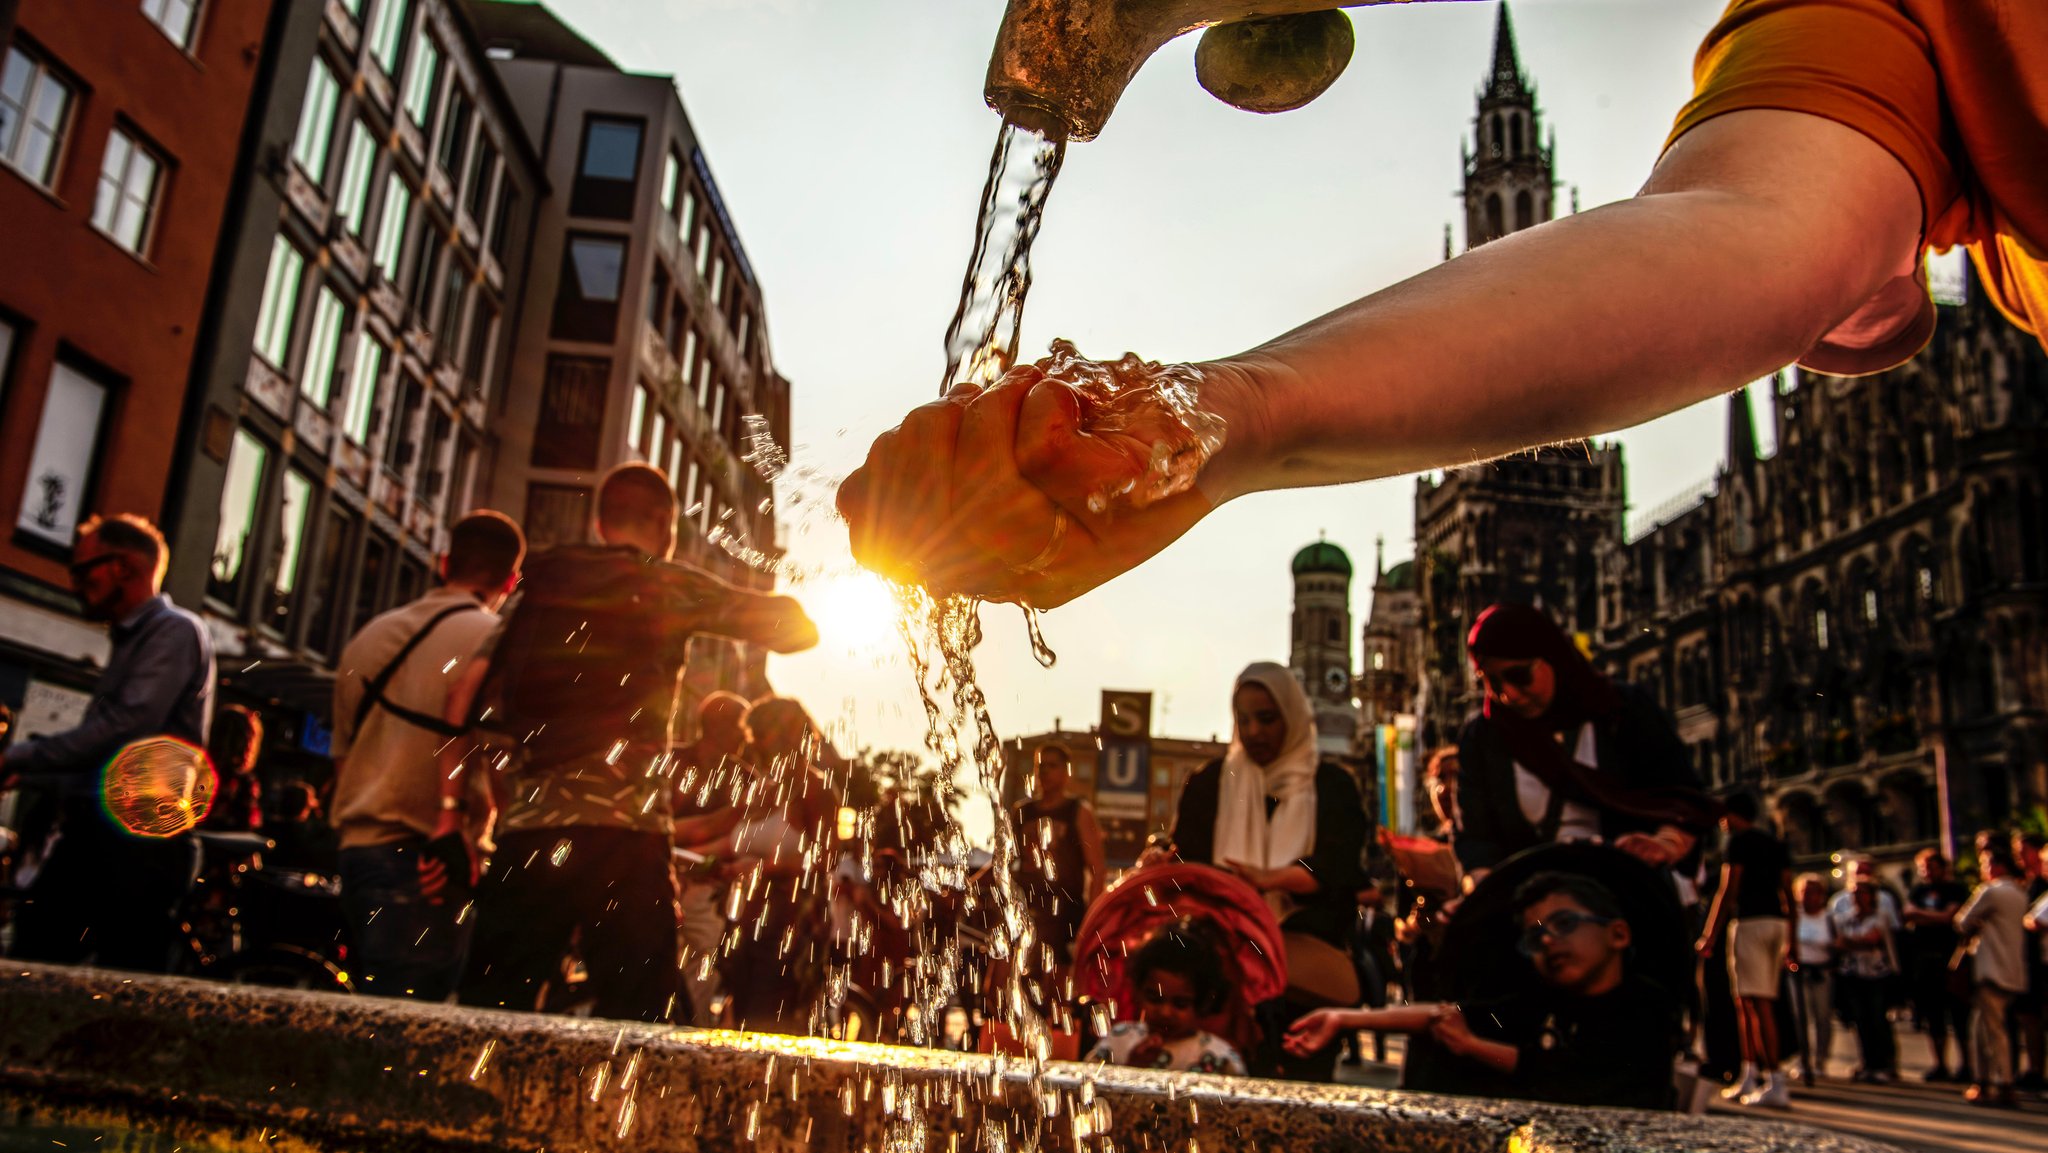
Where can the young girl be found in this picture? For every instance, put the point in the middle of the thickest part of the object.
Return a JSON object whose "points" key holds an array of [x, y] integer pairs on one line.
{"points": [[1177, 979]]}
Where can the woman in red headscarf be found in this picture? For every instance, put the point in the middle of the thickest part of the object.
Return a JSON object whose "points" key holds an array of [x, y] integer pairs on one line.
{"points": [[1561, 753]]}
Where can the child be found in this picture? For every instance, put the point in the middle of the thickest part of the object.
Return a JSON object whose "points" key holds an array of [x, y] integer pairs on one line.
{"points": [[1595, 1035], [1177, 979]]}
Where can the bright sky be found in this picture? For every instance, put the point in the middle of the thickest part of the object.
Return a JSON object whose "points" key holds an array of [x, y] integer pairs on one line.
{"points": [[851, 142]]}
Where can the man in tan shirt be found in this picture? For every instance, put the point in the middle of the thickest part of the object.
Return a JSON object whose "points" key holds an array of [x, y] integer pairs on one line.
{"points": [[402, 901]]}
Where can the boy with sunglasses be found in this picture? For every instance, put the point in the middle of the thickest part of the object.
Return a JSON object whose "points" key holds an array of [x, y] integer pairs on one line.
{"points": [[1591, 1033]]}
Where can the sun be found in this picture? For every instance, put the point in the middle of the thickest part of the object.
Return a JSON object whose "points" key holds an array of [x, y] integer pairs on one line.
{"points": [[854, 611]]}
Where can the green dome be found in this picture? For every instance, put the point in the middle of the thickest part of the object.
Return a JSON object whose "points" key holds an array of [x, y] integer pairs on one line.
{"points": [[1401, 576], [1322, 556]]}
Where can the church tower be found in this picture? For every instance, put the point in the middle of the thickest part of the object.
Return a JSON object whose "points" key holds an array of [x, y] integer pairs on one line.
{"points": [[1321, 653], [1509, 184]]}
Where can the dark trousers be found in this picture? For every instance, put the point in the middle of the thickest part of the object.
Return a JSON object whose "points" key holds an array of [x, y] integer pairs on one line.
{"points": [[108, 897], [1865, 1001], [1939, 1009], [611, 891], [401, 942]]}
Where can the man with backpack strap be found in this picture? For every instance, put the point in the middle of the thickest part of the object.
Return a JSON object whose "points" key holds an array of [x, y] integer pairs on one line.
{"points": [[402, 901], [582, 679]]}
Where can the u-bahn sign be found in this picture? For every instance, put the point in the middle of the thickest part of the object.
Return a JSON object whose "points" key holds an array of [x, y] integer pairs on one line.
{"points": [[1123, 776]]}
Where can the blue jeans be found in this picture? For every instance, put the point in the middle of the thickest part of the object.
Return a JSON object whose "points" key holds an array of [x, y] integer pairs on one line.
{"points": [[401, 943]]}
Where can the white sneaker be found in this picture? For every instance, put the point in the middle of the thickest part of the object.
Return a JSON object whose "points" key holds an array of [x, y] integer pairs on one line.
{"points": [[1742, 1088], [1776, 1094]]}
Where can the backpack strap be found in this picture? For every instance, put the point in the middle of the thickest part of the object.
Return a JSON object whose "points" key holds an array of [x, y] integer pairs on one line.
{"points": [[373, 689]]}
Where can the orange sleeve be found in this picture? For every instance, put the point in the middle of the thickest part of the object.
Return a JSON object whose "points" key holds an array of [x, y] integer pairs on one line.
{"points": [[1861, 63]]}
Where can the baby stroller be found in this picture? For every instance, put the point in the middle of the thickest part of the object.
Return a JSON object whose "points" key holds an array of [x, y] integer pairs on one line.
{"points": [[1247, 935]]}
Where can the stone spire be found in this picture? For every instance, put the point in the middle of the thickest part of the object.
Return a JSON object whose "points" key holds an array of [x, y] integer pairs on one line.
{"points": [[1505, 82], [1742, 453]]}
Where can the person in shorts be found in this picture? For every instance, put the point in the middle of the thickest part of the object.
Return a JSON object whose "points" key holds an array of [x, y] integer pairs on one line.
{"points": [[1754, 902]]}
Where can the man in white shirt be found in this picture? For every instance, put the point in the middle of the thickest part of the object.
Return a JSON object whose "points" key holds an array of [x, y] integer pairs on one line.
{"points": [[403, 902], [1993, 921]]}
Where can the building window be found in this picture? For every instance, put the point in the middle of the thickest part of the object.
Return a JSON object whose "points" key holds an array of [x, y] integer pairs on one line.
{"points": [[434, 479], [60, 469], [703, 250], [175, 17], [476, 362], [448, 325], [35, 108], [671, 175], [1820, 629], [455, 133], [240, 490], [420, 80], [688, 359], [370, 581], [6, 355], [391, 232], [127, 193], [316, 122], [286, 552], [355, 177], [675, 458], [1870, 605], [657, 296], [477, 194], [362, 389], [718, 281], [718, 406], [609, 169], [555, 514], [280, 297], [329, 575], [419, 292], [323, 348], [658, 437], [501, 220], [587, 301], [688, 221], [571, 422], [636, 421], [400, 438], [387, 34]]}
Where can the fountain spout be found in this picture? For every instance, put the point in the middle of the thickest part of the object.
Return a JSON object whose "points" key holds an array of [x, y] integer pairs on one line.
{"points": [[1059, 66]]}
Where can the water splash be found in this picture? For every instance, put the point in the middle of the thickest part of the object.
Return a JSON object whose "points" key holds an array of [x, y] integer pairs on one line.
{"points": [[983, 336]]}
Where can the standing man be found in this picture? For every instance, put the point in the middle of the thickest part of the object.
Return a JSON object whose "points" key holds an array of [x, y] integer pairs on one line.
{"points": [[1994, 923], [1930, 939], [1059, 869], [583, 677], [402, 903], [1754, 903], [2032, 1043], [105, 894]]}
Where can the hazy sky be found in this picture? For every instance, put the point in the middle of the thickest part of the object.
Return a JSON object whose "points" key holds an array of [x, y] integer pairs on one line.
{"points": [[851, 142]]}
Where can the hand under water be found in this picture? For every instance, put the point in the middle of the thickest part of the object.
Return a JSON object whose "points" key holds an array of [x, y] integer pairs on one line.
{"points": [[1034, 490]]}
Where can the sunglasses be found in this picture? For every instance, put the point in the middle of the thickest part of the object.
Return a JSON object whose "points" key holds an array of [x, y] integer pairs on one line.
{"points": [[79, 569], [1514, 677], [1561, 924]]}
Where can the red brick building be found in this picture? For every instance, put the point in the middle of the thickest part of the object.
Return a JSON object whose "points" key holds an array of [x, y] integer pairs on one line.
{"points": [[120, 129]]}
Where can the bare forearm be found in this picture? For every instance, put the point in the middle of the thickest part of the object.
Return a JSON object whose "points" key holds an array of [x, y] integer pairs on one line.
{"points": [[1726, 269]]}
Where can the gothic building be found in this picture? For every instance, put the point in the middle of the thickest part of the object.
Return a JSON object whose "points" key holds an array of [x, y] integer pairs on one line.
{"points": [[1388, 677], [1508, 167], [1853, 626], [1320, 654]]}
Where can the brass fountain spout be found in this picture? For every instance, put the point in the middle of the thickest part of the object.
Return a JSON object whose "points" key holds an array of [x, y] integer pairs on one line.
{"points": [[1060, 65]]}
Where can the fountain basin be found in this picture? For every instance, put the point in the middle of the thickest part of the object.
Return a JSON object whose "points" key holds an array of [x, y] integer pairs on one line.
{"points": [[152, 1065]]}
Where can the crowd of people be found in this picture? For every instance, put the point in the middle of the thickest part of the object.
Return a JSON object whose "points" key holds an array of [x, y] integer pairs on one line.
{"points": [[516, 824]]}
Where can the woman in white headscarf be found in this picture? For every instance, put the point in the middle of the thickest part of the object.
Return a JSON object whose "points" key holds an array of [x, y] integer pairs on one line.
{"points": [[1277, 814]]}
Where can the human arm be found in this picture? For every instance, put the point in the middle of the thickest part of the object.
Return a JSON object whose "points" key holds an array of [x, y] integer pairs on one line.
{"points": [[706, 604], [1941, 912], [1717, 913], [2037, 917], [1971, 917], [1090, 832], [1449, 1028], [1316, 1030], [163, 667], [707, 831], [1758, 233], [457, 759]]}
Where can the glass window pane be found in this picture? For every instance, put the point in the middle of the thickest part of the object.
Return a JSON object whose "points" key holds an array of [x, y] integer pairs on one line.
{"points": [[660, 434], [323, 347], [638, 419], [598, 267], [391, 233], [330, 571], [239, 490], [420, 78], [388, 33], [34, 150], [611, 150], [113, 169], [16, 76], [355, 176], [285, 553], [280, 297], [671, 170], [174, 17], [316, 122], [138, 196], [61, 466], [362, 390]]}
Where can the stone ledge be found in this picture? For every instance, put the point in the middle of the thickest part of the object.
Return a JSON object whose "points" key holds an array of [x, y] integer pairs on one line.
{"points": [[172, 1063]]}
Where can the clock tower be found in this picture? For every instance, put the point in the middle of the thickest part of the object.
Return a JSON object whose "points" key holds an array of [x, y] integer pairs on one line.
{"points": [[1321, 653]]}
